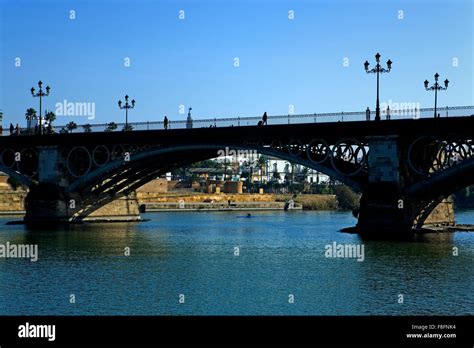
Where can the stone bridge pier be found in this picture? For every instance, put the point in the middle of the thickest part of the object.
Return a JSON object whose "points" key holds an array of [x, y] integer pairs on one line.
{"points": [[49, 199], [386, 206]]}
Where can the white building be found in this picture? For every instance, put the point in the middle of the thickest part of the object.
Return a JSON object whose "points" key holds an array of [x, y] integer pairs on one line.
{"points": [[283, 168]]}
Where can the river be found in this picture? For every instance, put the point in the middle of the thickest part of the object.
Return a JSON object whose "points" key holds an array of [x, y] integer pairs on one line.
{"points": [[224, 263]]}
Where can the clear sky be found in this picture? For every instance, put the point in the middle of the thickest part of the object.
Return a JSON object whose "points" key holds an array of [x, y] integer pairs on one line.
{"points": [[191, 61]]}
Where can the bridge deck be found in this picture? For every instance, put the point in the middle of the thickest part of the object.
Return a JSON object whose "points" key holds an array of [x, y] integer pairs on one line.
{"points": [[452, 126]]}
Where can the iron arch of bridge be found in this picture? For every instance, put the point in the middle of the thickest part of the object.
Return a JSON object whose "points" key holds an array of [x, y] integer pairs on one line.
{"points": [[428, 193], [194, 151], [119, 177], [23, 179]]}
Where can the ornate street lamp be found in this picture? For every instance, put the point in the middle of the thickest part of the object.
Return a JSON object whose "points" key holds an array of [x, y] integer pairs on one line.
{"points": [[189, 119], [40, 94], [436, 87], [377, 70], [126, 106]]}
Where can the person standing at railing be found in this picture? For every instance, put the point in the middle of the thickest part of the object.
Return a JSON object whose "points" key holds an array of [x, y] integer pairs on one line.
{"points": [[264, 118], [165, 123], [367, 114], [12, 128], [388, 113]]}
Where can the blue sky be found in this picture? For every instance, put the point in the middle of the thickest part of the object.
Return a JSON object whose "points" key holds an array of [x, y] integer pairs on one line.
{"points": [[190, 62]]}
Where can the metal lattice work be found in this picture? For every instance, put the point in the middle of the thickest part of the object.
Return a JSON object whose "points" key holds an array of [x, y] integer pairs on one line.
{"points": [[452, 152], [100, 155], [7, 158], [28, 164], [428, 155], [20, 163], [349, 157], [81, 160], [295, 147], [317, 151]]}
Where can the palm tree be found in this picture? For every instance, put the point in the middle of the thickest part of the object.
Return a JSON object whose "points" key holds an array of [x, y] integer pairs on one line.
{"points": [[111, 127], [50, 117], [71, 126], [127, 128], [87, 128], [292, 173], [287, 172], [276, 175], [262, 162], [305, 173], [30, 115]]}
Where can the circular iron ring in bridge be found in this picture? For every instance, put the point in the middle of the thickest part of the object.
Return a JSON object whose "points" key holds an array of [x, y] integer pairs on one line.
{"points": [[100, 155], [317, 151], [79, 161], [277, 145], [295, 147], [7, 158], [349, 151], [417, 153], [452, 152], [117, 152], [470, 143], [133, 149], [29, 163]]}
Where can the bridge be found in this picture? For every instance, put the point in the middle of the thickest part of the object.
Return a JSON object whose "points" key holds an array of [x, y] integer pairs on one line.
{"points": [[404, 167]]}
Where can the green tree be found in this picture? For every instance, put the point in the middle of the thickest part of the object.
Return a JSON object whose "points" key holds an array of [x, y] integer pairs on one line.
{"points": [[111, 127], [207, 164], [287, 172], [14, 183], [87, 128], [262, 163], [71, 126], [30, 115], [305, 172], [346, 198], [127, 128], [50, 116]]}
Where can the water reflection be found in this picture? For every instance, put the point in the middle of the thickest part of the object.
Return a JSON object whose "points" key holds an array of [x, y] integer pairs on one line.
{"points": [[193, 254]]}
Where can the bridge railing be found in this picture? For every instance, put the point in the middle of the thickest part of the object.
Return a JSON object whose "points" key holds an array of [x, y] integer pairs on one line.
{"points": [[395, 114]]}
